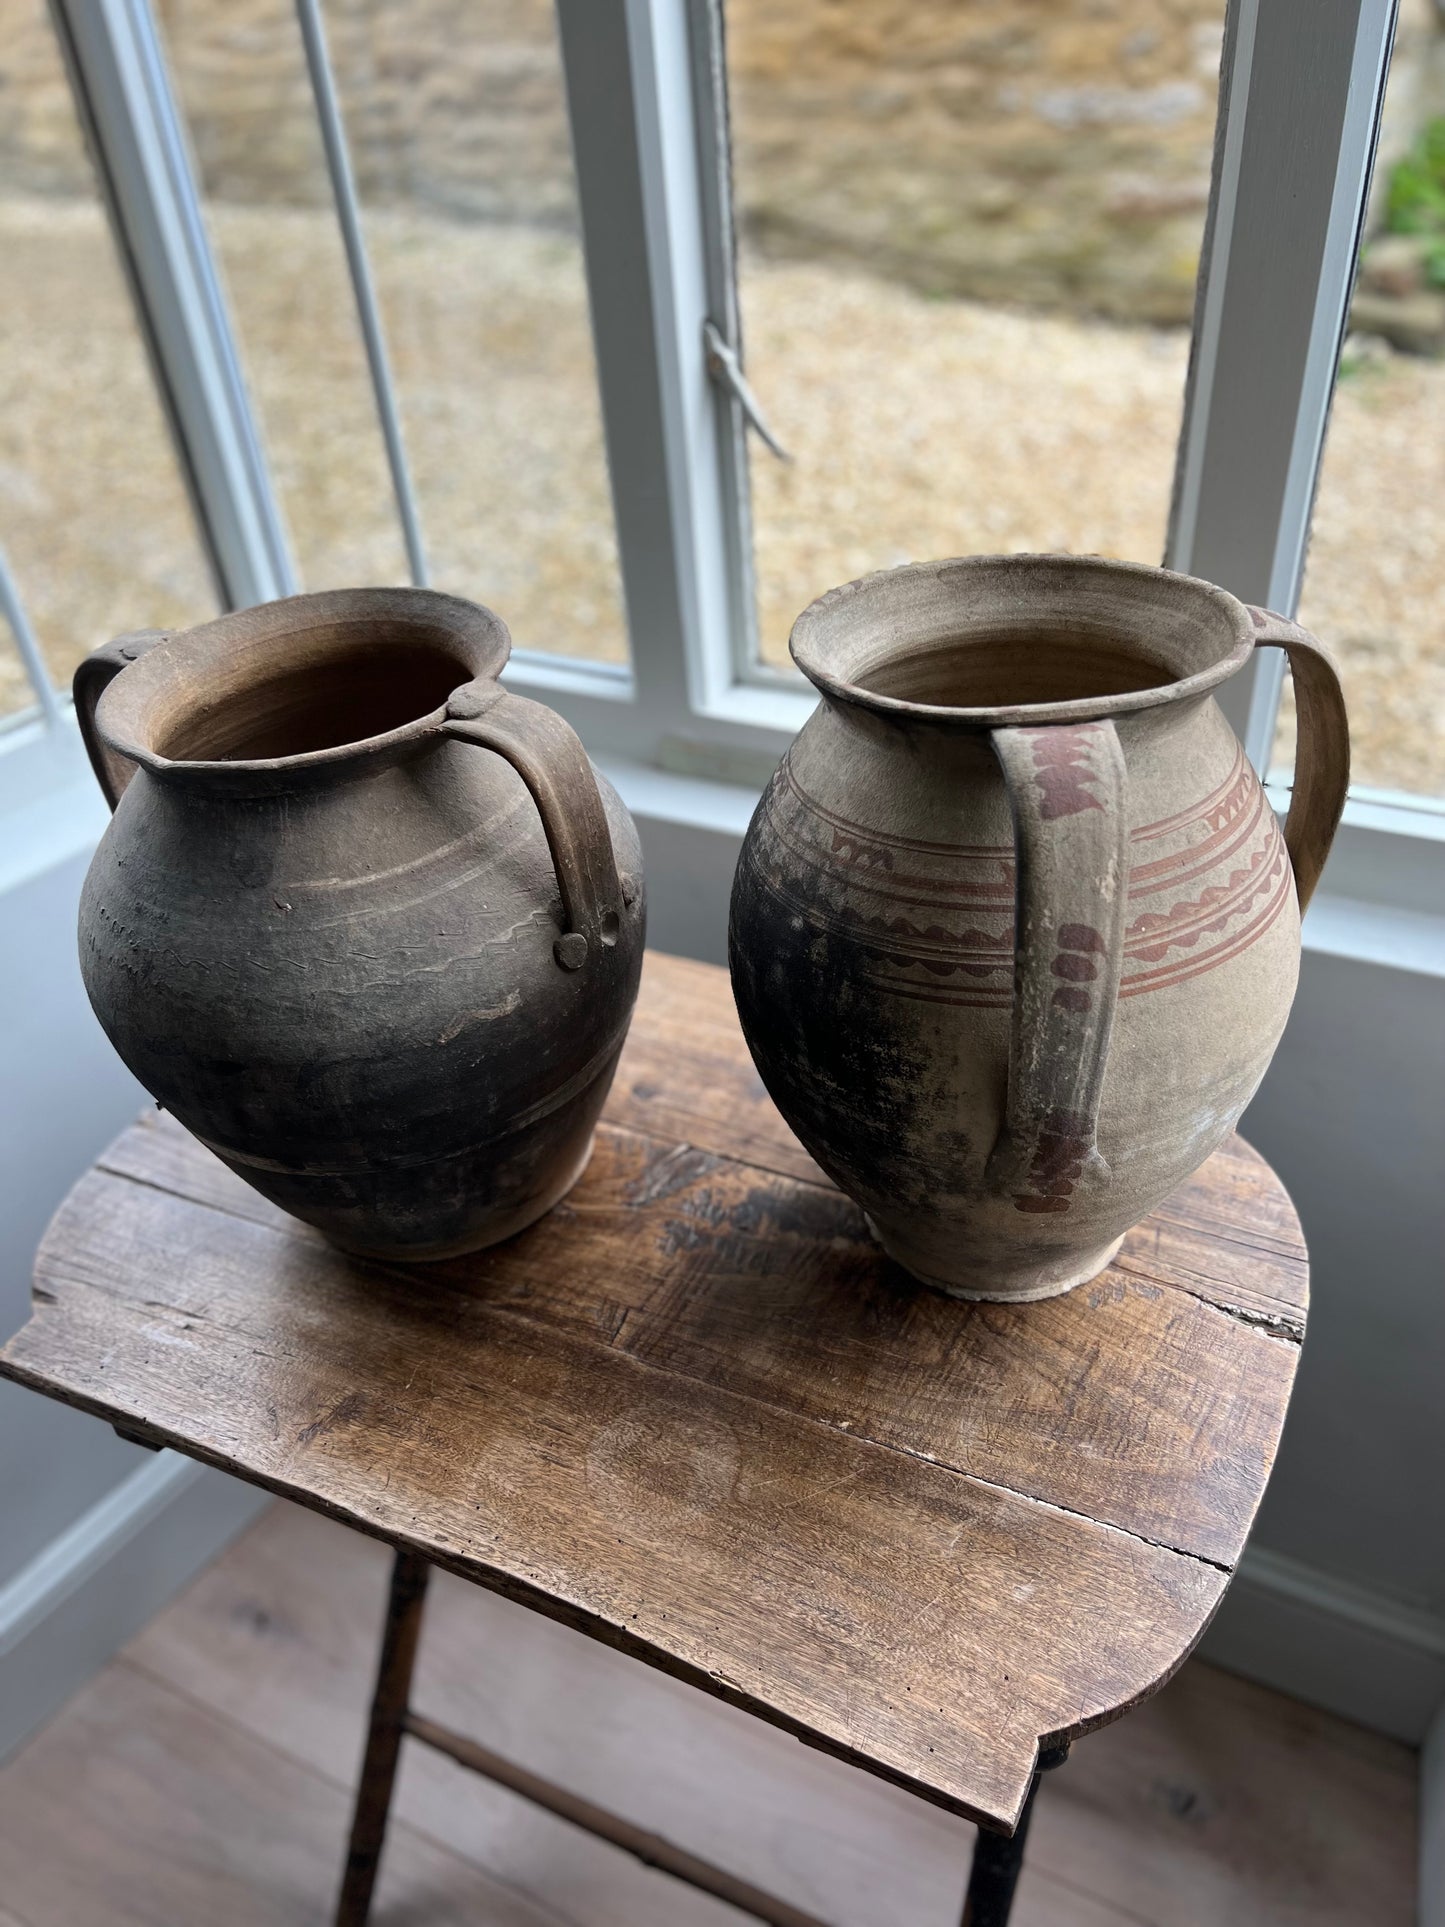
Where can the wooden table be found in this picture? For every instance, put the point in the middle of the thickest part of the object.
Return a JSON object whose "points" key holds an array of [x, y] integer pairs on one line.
{"points": [[697, 1414]]}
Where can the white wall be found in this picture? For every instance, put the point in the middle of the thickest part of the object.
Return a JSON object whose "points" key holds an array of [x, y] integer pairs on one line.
{"points": [[66, 1094], [1352, 1117], [95, 1535]]}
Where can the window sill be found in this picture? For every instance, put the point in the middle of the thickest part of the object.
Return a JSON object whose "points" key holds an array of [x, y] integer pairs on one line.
{"points": [[531, 669], [1375, 933], [1384, 884]]}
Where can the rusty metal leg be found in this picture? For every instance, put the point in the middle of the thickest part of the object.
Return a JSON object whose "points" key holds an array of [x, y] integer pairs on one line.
{"points": [[383, 1740], [998, 1860]]}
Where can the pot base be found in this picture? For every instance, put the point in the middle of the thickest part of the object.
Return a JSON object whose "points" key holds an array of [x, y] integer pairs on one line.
{"points": [[1026, 1293], [510, 1225]]}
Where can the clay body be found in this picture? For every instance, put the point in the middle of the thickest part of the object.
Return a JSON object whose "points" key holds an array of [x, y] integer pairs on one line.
{"points": [[1014, 932], [366, 924]]}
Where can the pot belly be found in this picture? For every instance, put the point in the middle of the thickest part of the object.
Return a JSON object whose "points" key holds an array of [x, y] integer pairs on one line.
{"points": [[878, 1012], [460, 1201], [396, 1056]]}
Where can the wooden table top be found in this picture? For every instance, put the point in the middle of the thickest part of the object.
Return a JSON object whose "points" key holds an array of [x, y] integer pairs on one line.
{"points": [[696, 1413]]}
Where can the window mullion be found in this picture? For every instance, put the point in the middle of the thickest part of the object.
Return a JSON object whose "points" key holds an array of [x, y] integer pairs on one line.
{"points": [[127, 108], [1302, 92], [632, 107], [708, 33]]}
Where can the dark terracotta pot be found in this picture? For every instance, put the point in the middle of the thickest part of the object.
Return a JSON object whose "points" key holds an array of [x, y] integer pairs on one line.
{"points": [[1014, 933], [365, 923]]}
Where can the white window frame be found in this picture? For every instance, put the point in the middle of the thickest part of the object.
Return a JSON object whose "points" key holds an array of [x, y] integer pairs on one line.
{"points": [[1301, 96]]}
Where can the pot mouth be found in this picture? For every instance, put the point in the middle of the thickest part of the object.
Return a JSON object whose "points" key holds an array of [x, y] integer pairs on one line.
{"points": [[986, 641], [305, 683]]}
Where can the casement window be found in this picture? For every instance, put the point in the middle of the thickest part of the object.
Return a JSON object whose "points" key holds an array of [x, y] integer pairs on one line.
{"points": [[644, 321]]}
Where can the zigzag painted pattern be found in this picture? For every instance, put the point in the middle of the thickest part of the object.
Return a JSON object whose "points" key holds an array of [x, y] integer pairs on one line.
{"points": [[915, 956]]}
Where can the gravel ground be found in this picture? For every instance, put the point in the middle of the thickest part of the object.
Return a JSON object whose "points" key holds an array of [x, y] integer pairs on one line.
{"points": [[919, 427]]}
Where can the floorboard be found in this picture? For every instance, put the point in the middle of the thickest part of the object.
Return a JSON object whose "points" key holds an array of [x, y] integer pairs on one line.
{"points": [[138, 1808], [202, 1777], [1260, 1810]]}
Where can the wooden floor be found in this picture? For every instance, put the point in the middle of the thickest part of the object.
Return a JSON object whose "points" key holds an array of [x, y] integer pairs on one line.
{"points": [[202, 1780]]}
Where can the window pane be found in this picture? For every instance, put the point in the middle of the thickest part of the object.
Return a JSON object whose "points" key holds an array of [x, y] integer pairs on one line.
{"points": [[1374, 588], [93, 512], [457, 123], [969, 238]]}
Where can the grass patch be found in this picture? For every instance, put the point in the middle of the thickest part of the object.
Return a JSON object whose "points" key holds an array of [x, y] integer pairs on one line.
{"points": [[1416, 199]]}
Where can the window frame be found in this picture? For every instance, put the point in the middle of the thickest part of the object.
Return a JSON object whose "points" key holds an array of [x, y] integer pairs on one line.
{"points": [[138, 147], [646, 98]]}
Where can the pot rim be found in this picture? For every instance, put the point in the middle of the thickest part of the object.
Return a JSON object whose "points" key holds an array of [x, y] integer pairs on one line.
{"points": [[813, 634], [481, 640]]}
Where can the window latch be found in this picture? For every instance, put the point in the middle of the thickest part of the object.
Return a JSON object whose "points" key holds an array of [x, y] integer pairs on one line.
{"points": [[726, 371]]}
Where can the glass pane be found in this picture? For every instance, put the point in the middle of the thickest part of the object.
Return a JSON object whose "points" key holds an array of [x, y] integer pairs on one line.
{"points": [[969, 238], [457, 123], [1374, 588], [93, 513]]}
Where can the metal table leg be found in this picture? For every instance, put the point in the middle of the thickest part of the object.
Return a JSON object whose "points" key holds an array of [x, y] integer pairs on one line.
{"points": [[383, 1740], [998, 1859]]}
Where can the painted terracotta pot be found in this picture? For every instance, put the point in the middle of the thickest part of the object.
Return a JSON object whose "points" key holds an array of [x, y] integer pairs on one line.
{"points": [[368, 925], [1014, 932]]}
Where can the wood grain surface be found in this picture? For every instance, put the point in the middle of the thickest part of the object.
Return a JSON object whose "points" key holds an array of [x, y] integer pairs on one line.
{"points": [[697, 1414]]}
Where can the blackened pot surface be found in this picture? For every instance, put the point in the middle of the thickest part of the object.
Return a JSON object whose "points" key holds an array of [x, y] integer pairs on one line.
{"points": [[345, 978]]}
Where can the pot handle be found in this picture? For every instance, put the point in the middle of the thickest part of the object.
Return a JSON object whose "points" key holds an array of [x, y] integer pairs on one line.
{"points": [[1322, 750], [551, 761], [1066, 789], [93, 676]]}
